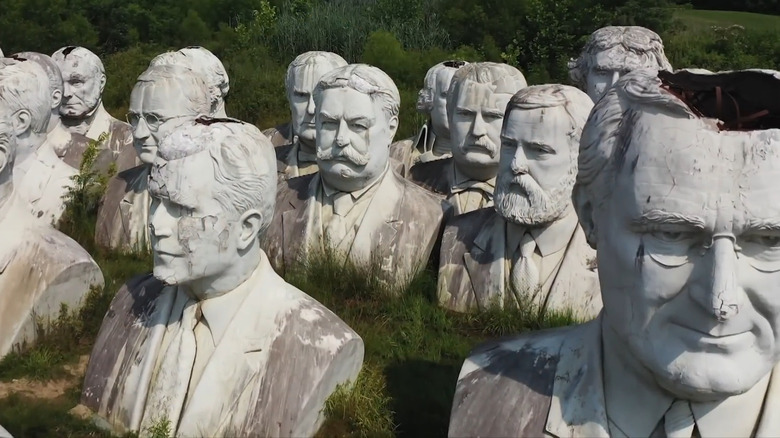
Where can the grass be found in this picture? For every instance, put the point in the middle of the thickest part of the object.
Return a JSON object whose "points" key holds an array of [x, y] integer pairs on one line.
{"points": [[697, 20]]}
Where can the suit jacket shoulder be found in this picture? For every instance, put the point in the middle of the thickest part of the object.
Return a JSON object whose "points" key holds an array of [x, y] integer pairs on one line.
{"points": [[279, 135], [433, 175], [291, 195], [505, 386], [124, 324], [314, 353]]}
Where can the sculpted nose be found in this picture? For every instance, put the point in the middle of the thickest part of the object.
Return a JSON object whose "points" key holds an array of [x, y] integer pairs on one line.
{"points": [[519, 162], [141, 130], [159, 225], [478, 128], [310, 106], [615, 77], [722, 297], [342, 137]]}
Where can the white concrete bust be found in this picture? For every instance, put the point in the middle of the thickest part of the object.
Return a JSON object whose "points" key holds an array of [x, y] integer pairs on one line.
{"points": [[356, 203], [82, 108], [613, 51], [298, 155], [679, 199], [433, 141], [41, 178], [529, 251], [476, 102], [164, 97], [40, 268], [58, 137], [227, 347], [208, 66]]}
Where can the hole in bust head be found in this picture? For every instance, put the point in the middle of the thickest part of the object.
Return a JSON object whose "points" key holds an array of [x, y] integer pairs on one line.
{"points": [[67, 50], [746, 100], [454, 63]]}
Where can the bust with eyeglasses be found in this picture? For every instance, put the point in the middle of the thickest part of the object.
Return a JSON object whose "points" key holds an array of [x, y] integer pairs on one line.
{"points": [[164, 97], [676, 191], [82, 111]]}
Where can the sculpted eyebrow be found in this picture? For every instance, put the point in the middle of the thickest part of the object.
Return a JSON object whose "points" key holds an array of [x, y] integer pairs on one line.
{"points": [[660, 217], [327, 116], [495, 113], [771, 224]]}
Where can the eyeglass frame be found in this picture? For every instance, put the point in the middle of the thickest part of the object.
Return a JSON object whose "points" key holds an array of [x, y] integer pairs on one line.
{"points": [[154, 126]]}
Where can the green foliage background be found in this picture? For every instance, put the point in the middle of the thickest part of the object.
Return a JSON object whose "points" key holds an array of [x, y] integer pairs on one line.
{"points": [[256, 39]]}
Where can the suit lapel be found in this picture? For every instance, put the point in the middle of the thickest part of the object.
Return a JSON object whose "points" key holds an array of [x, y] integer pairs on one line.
{"points": [[577, 406], [485, 263], [381, 221]]}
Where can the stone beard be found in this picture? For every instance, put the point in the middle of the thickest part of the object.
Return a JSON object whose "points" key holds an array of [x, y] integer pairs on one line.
{"points": [[521, 200]]}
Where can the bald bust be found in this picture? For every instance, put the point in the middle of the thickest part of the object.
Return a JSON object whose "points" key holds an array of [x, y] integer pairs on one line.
{"points": [[82, 108]]}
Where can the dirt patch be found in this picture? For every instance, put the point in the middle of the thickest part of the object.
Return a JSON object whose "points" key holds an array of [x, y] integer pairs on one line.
{"points": [[48, 389]]}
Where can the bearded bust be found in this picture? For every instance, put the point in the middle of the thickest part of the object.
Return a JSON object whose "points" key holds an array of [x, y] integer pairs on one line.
{"points": [[529, 250]]}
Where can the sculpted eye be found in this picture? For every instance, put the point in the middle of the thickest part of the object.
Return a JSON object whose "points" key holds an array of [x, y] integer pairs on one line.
{"points": [[672, 236], [358, 127], [766, 240]]}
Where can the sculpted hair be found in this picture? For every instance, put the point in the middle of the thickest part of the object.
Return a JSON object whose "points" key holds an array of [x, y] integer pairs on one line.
{"points": [[329, 60], [504, 78], [606, 137], [204, 63], [243, 159], [76, 53], [190, 84], [639, 40], [24, 85], [576, 103], [49, 66], [365, 79], [425, 102]]}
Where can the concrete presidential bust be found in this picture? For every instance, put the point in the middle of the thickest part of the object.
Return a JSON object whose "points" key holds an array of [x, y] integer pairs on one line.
{"points": [[476, 101], [40, 177], [433, 140], [215, 341], [40, 267], [613, 51], [296, 141], [58, 137], [529, 250], [82, 108], [678, 197], [164, 97], [356, 203], [205, 64]]}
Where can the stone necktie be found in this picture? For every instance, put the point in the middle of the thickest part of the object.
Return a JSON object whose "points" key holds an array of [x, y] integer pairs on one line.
{"points": [[525, 273], [678, 420], [169, 389], [336, 228]]}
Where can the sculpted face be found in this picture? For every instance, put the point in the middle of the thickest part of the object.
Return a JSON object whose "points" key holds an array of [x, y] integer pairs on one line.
{"points": [[607, 66], [155, 110], [302, 102], [353, 136], [193, 238], [537, 166], [441, 126], [476, 127], [689, 256], [83, 86]]}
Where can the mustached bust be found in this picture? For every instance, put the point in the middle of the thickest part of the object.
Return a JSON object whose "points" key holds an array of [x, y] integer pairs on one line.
{"points": [[476, 102], [433, 140], [82, 108], [164, 97], [529, 251], [676, 190], [613, 51], [356, 204], [295, 141], [214, 340], [41, 269]]}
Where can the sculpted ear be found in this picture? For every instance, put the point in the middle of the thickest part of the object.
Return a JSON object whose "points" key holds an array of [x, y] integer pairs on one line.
{"points": [[251, 223], [586, 215], [393, 125], [21, 122], [4, 156], [102, 83]]}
